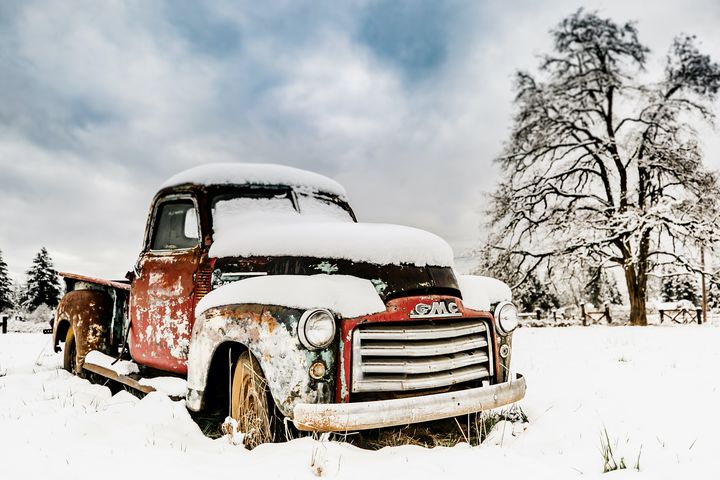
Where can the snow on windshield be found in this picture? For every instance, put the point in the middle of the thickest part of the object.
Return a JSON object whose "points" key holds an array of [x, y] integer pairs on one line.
{"points": [[243, 210]]}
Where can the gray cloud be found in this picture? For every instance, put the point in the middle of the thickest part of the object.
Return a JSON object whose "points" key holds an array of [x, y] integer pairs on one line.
{"points": [[406, 103]]}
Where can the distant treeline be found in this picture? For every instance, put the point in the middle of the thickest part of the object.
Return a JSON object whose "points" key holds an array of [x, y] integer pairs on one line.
{"points": [[41, 286]]}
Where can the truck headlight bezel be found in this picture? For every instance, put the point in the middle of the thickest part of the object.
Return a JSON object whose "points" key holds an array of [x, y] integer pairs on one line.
{"points": [[316, 328], [506, 317]]}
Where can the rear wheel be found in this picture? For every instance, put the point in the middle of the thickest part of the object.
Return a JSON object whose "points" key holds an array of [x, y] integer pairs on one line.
{"points": [[249, 402], [70, 353]]}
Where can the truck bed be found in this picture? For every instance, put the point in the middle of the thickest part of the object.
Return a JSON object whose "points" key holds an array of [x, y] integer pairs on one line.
{"points": [[119, 284]]}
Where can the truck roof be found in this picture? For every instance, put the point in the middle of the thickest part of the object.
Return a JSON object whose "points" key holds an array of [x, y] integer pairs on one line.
{"points": [[255, 174]]}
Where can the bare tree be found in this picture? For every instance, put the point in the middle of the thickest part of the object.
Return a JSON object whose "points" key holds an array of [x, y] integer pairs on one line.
{"points": [[603, 169]]}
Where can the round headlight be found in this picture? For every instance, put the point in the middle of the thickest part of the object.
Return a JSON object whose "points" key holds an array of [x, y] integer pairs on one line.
{"points": [[316, 329], [506, 317]]}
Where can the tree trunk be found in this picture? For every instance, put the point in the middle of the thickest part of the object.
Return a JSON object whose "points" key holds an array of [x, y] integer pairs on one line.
{"points": [[637, 290]]}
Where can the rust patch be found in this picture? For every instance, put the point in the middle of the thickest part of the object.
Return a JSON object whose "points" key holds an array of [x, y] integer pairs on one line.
{"points": [[269, 321]]}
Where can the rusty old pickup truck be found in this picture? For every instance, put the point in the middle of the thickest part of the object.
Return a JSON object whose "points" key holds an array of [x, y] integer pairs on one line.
{"points": [[257, 288]]}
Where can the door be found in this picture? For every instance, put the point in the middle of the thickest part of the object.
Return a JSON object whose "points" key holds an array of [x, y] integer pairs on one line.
{"points": [[163, 294]]}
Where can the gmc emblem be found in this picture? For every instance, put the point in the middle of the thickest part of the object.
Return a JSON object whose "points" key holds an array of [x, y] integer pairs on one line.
{"points": [[437, 309]]}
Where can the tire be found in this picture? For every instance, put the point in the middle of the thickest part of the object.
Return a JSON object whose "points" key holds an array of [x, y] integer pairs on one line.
{"points": [[250, 403], [70, 353]]}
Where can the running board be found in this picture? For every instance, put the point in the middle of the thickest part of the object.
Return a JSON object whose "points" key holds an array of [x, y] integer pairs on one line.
{"points": [[112, 375]]}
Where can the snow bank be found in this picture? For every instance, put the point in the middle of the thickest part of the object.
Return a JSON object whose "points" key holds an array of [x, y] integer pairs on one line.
{"points": [[255, 174], [654, 390], [171, 386], [122, 367], [345, 295], [480, 292]]}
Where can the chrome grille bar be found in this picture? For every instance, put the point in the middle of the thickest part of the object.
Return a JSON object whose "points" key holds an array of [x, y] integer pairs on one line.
{"points": [[422, 348], [420, 382], [424, 365], [422, 332]]}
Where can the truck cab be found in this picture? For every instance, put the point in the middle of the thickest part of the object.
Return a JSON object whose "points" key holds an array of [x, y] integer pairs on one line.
{"points": [[257, 282]]}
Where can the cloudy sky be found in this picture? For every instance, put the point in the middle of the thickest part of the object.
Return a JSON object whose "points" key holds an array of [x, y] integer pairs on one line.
{"points": [[404, 102]]}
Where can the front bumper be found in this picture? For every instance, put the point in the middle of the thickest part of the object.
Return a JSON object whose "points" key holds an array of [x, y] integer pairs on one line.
{"points": [[340, 417]]}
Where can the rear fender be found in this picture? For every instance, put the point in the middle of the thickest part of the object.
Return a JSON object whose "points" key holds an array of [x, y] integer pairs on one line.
{"points": [[89, 313]]}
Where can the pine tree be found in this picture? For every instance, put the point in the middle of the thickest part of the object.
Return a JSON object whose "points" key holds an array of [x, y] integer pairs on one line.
{"points": [[713, 294], [601, 288], [43, 285], [533, 294], [680, 287], [6, 287]]}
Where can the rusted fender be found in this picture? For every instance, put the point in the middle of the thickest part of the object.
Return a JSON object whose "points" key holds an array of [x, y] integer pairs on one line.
{"points": [[270, 334], [89, 313], [341, 417]]}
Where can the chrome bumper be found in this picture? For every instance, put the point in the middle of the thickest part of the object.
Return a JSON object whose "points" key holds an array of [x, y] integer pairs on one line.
{"points": [[340, 417]]}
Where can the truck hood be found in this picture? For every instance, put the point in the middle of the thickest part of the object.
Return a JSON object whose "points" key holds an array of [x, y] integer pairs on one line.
{"points": [[369, 243], [390, 281]]}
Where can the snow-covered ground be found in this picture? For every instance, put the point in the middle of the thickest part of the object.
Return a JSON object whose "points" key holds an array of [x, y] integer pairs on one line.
{"points": [[655, 391]]}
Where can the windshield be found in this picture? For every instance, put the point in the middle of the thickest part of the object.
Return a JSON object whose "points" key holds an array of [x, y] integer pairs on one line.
{"points": [[274, 207]]}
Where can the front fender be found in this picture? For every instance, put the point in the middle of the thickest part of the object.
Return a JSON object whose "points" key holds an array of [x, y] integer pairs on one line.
{"points": [[270, 334]]}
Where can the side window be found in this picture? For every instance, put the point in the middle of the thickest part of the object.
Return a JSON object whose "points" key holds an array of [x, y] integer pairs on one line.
{"points": [[176, 226]]}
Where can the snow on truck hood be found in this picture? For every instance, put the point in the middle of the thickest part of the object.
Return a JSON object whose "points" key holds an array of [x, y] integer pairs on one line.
{"points": [[359, 242], [345, 295], [272, 227]]}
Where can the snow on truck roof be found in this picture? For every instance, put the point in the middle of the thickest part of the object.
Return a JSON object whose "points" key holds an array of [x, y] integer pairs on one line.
{"points": [[255, 174]]}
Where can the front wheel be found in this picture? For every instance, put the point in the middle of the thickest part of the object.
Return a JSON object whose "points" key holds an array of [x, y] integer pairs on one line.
{"points": [[249, 405]]}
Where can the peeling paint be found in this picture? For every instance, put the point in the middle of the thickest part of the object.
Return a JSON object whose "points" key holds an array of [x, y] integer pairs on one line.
{"points": [[326, 267], [162, 312]]}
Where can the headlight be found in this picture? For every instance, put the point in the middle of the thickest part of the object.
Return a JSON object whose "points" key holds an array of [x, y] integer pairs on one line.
{"points": [[316, 329], [506, 317]]}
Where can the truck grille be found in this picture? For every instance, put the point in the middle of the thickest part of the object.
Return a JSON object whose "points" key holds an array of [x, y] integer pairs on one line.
{"points": [[419, 355], [203, 283]]}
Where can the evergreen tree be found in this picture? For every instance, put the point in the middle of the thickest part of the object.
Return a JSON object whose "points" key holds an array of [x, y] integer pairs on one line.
{"points": [[680, 287], [533, 293], [601, 289], [6, 287], [713, 295], [43, 285]]}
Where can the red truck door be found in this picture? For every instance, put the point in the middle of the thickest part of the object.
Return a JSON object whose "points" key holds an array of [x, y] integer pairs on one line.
{"points": [[163, 293]]}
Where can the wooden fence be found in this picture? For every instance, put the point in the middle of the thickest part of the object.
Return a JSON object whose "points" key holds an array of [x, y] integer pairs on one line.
{"points": [[587, 317], [591, 317], [4, 324], [682, 315]]}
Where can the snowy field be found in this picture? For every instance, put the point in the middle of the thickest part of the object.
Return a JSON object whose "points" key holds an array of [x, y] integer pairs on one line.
{"points": [[654, 390]]}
